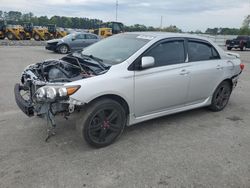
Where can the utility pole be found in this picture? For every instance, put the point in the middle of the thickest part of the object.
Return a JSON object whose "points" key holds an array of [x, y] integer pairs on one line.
{"points": [[116, 10]]}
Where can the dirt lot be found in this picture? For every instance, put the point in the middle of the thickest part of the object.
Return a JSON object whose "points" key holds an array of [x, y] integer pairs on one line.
{"points": [[192, 149]]}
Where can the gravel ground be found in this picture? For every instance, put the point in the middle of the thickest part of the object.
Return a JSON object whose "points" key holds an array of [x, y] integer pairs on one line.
{"points": [[31, 42], [191, 149]]}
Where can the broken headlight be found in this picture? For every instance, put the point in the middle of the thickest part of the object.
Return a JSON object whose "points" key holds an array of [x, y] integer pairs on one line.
{"points": [[53, 93]]}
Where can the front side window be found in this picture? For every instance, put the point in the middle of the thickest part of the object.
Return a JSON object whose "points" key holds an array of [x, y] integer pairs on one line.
{"points": [[168, 53], [199, 51]]}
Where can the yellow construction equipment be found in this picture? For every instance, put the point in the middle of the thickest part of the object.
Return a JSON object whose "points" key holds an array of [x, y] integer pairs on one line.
{"points": [[61, 32], [102, 32], [117, 27], [12, 32], [2, 29], [107, 29], [36, 32], [56, 32]]}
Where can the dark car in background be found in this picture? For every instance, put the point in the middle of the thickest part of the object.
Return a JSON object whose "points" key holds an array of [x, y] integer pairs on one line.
{"points": [[241, 42], [72, 42]]}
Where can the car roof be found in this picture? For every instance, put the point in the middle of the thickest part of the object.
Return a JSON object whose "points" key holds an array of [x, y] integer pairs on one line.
{"points": [[161, 35]]}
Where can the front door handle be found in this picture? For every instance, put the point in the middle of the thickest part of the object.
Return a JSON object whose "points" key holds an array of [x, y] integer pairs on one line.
{"points": [[184, 72]]}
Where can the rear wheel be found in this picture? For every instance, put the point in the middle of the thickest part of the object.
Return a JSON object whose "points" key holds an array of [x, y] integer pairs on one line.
{"points": [[103, 122], [10, 36], [221, 96], [63, 49]]}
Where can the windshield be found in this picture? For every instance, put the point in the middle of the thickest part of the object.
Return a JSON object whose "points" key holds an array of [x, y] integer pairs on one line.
{"points": [[69, 36], [117, 48], [242, 37]]}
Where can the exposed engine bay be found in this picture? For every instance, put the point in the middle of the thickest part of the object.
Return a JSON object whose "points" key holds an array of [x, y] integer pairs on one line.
{"points": [[42, 91]]}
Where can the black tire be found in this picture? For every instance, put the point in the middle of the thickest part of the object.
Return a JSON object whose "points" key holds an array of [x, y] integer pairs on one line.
{"points": [[10, 36], [103, 121], [221, 96], [229, 48], [63, 49], [37, 37]]}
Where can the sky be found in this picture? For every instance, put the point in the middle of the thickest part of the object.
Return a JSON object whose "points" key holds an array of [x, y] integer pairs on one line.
{"points": [[188, 15]]}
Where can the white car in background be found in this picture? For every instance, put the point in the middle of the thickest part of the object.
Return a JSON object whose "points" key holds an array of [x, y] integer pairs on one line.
{"points": [[129, 78]]}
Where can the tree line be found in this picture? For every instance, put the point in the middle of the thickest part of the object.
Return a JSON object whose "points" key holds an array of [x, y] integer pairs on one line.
{"points": [[16, 17]]}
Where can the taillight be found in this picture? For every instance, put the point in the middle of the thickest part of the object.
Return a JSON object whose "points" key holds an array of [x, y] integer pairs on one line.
{"points": [[242, 66]]}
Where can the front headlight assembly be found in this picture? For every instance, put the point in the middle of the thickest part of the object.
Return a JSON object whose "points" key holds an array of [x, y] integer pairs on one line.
{"points": [[53, 93]]}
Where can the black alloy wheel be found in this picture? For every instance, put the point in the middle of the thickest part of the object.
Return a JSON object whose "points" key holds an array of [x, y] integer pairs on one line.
{"points": [[103, 123], [221, 96]]}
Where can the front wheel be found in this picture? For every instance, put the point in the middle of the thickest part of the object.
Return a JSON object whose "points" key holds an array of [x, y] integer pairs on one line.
{"points": [[221, 96], [102, 123], [63, 49], [229, 48], [11, 36]]}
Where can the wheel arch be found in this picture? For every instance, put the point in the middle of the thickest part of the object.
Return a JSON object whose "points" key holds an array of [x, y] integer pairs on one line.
{"points": [[114, 97], [58, 46], [229, 80]]}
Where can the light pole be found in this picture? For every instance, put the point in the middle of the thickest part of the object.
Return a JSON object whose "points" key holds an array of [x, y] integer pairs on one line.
{"points": [[116, 10]]}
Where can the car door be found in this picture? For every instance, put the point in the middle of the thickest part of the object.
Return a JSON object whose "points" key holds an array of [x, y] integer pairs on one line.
{"points": [[90, 39], [165, 85], [78, 42], [206, 70]]}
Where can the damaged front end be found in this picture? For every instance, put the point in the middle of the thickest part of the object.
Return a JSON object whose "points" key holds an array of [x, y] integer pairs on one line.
{"points": [[42, 91]]}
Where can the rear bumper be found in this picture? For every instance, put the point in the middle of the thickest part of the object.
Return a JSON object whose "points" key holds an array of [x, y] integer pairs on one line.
{"points": [[233, 45], [24, 105]]}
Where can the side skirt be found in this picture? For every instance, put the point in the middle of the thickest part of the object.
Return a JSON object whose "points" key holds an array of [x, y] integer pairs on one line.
{"points": [[134, 120]]}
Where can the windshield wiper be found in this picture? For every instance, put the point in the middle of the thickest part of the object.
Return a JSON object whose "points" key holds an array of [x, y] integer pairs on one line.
{"points": [[98, 60]]}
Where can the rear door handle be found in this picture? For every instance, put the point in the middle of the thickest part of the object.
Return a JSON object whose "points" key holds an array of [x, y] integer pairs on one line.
{"points": [[184, 72]]}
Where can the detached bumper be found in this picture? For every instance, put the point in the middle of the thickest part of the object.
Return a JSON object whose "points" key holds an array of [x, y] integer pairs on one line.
{"points": [[24, 105]]}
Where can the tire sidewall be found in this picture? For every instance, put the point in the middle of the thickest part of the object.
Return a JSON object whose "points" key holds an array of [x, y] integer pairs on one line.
{"points": [[59, 49], [91, 113], [10, 36], [213, 106]]}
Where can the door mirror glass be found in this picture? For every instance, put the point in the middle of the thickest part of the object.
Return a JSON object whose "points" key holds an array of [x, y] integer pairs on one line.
{"points": [[147, 62]]}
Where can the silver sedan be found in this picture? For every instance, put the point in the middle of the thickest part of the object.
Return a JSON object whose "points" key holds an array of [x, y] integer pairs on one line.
{"points": [[129, 78], [72, 42]]}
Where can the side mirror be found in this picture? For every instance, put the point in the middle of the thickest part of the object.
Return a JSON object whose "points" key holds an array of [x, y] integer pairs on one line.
{"points": [[73, 38], [147, 62]]}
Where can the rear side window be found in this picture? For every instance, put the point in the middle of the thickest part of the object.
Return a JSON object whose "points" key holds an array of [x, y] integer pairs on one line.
{"points": [[91, 36], [80, 36], [199, 51], [168, 53]]}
